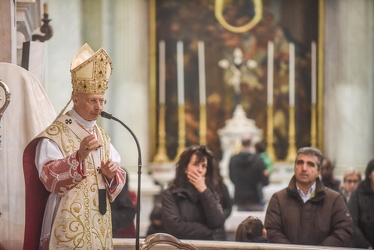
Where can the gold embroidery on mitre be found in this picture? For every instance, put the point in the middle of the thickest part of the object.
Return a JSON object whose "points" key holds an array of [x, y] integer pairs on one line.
{"points": [[90, 71]]}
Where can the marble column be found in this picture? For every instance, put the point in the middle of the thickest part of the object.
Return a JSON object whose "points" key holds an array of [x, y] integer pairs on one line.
{"points": [[61, 48], [127, 39], [127, 36], [348, 83], [7, 32]]}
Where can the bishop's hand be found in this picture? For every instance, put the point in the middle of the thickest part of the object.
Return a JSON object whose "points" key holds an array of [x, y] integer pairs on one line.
{"points": [[109, 169], [87, 145]]}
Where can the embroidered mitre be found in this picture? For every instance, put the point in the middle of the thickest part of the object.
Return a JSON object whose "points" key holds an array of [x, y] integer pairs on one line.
{"points": [[90, 71]]}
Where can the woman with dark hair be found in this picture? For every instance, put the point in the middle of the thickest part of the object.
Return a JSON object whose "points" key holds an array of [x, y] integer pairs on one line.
{"points": [[251, 230], [191, 208], [361, 206]]}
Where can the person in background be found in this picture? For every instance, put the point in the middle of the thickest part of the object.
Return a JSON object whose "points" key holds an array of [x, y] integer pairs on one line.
{"points": [[260, 148], [361, 206], [226, 203], [248, 173], [155, 217], [306, 212], [123, 213], [327, 175], [72, 171], [261, 151], [351, 179], [251, 230], [191, 207]]}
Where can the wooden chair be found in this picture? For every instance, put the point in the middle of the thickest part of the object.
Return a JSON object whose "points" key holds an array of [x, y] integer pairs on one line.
{"points": [[164, 239]]}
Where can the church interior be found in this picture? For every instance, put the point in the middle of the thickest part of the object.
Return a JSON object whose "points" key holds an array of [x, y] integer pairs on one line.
{"points": [[289, 73]]}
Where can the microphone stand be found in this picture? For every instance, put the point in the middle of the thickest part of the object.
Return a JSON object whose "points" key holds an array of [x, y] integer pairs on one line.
{"points": [[110, 116]]}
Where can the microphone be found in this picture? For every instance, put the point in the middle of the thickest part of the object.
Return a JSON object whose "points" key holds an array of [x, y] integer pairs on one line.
{"points": [[106, 115], [111, 117]]}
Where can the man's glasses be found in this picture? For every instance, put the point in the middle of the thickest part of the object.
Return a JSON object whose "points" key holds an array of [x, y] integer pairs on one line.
{"points": [[351, 181], [94, 102]]}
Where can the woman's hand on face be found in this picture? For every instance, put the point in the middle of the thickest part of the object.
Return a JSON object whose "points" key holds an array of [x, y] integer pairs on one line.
{"points": [[196, 179]]}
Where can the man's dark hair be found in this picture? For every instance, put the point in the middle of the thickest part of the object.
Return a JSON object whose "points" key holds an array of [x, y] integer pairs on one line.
{"points": [[369, 169], [249, 230], [260, 146], [312, 151], [246, 142]]}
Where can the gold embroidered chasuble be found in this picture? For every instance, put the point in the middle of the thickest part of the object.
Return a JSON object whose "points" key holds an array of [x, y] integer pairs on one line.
{"points": [[77, 222]]}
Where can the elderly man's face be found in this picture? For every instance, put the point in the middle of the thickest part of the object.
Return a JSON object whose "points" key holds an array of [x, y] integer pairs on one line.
{"points": [[306, 169], [351, 182], [89, 106]]}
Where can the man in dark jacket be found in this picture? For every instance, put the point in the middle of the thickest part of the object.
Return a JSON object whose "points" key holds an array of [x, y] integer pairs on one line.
{"points": [[247, 173], [361, 206], [327, 175], [306, 212], [123, 213]]}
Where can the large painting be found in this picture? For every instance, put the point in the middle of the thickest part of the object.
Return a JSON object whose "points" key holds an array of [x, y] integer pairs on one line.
{"points": [[236, 28]]}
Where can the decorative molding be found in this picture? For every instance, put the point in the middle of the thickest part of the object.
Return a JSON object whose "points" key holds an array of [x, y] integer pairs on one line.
{"points": [[28, 17]]}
